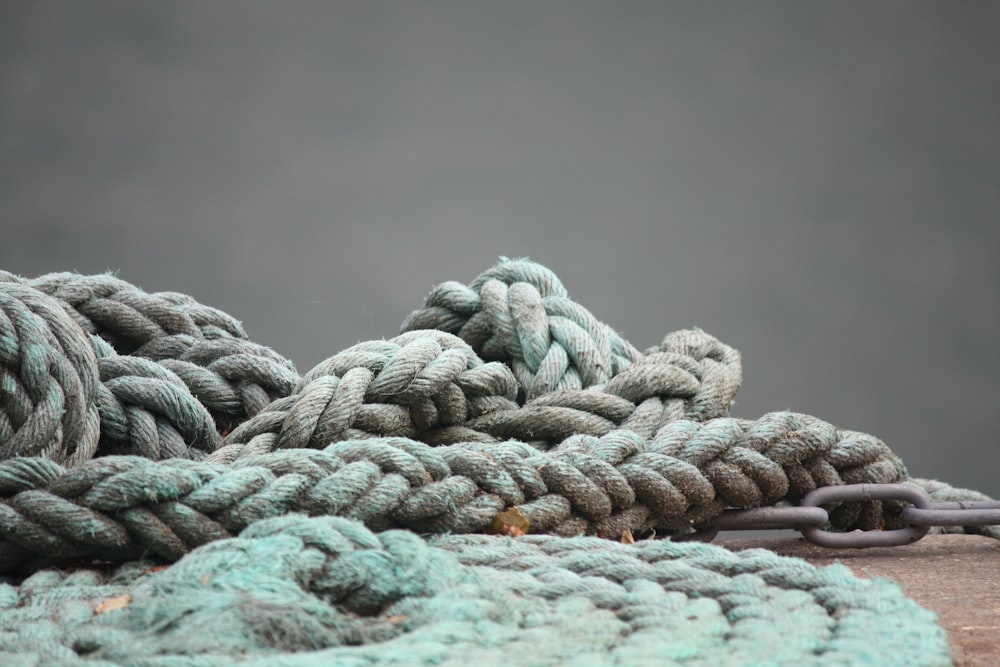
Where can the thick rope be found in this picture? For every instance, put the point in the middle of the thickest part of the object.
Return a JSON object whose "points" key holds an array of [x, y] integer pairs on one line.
{"points": [[520, 314], [322, 591], [691, 375], [428, 383], [186, 375], [148, 410], [233, 378], [118, 508], [48, 380], [146, 426], [127, 317]]}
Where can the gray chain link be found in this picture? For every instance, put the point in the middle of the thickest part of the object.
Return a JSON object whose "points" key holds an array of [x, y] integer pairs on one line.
{"points": [[810, 519]]}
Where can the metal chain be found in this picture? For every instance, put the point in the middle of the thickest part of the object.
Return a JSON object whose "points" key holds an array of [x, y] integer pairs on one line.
{"points": [[810, 519]]}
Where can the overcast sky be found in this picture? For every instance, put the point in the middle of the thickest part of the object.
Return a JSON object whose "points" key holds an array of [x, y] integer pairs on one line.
{"points": [[815, 184]]}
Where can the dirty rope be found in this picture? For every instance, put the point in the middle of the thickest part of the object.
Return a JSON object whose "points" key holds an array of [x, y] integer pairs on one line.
{"points": [[442, 497]]}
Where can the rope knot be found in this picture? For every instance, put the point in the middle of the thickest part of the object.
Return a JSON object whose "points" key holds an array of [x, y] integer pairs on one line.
{"points": [[519, 313]]}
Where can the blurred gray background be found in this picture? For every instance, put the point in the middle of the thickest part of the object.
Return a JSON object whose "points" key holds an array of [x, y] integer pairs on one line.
{"points": [[815, 184]]}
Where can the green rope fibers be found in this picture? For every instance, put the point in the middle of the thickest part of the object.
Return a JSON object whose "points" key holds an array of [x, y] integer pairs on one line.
{"points": [[206, 505]]}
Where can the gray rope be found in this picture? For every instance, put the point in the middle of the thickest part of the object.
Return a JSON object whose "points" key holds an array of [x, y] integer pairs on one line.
{"points": [[48, 379], [205, 371], [428, 383], [233, 378], [120, 507], [520, 314], [691, 375], [149, 411], [127, 317]]}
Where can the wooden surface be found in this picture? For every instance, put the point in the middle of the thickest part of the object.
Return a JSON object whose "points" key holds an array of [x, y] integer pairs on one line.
{"points": [[957, 576]]}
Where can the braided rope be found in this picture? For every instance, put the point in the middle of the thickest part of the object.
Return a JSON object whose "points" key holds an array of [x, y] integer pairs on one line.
{"points": [[140, 425], [691, 375], [520, 314], [148, 410], [48, 379], [233, 378], [428, 383], [120, 507], [128, 317]]}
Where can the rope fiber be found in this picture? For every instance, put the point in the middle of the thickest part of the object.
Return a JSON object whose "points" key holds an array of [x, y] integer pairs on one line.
{"points": [[498, 484]]}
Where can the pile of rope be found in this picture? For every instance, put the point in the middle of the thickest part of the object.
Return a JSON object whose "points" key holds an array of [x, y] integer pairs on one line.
{"points": [[478, 488]]}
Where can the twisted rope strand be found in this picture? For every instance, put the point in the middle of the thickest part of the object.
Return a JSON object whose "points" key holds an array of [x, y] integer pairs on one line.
{"points": [[415, 383], [126, 316], [315, 591], [147, 426], [520, 314], [603, 486], [48, 379]]}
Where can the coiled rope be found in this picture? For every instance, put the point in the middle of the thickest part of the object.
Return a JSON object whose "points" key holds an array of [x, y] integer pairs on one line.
{"points": [[140, 429]]}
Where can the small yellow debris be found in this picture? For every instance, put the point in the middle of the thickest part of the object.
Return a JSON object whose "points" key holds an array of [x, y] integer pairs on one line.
{"points": [[398, 618], [119, 602], [511, 522], [205, 579], [627, 537]]}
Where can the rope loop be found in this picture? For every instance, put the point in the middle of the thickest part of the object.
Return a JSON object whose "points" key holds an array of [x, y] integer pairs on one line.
{"points": [[49, 375], [436, 497], [519, 313]]}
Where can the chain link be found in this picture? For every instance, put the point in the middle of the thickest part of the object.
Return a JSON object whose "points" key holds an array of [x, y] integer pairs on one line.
{"points": [[810, 519]]}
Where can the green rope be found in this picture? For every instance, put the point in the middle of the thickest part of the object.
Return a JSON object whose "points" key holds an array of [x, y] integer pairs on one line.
{"points": [[322, 591], [120, 507], [139, 429]]}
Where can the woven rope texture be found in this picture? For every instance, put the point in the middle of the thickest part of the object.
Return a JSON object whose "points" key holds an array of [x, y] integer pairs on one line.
{"points": [[172, 493]]}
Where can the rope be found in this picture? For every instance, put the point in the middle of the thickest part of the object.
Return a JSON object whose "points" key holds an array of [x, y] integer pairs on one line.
{"points": [[127, 317], [941, 492], [233, 378], [320, 591], [691, 375], [142, 429], [49, 380], [420, 382], [186, 374], [519, 313], [121, 507]]}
